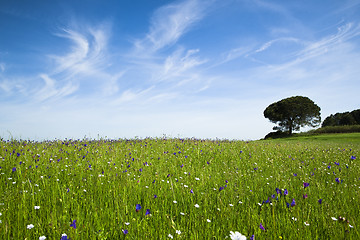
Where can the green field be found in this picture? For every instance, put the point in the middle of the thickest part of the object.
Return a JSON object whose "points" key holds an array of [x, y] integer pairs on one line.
{"points": [[293, 188]]}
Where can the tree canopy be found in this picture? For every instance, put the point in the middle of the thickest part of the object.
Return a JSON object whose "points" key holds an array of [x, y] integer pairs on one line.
{"points": [[341, 119], [292, 113]]}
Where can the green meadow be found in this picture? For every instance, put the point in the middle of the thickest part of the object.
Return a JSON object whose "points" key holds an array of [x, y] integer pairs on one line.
{"points": [[294, 188]]}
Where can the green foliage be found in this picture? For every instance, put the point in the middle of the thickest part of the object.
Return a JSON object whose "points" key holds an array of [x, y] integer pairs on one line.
{"points": [[338, 129], [292, 113], [341, 119]]}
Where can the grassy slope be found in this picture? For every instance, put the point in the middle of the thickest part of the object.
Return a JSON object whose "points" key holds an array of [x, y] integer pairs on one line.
{"points": [[353, 138]]}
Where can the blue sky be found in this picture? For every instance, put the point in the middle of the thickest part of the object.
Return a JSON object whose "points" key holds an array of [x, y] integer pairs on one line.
{"points": [[139, 68]]}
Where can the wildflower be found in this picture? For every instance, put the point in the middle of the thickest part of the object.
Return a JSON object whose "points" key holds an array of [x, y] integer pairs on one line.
{"points": [[147, 212], [155, 196], [237, 236], [320, 201], [64, 237], [127, 223], [37, 207], [295, 174], [197, 205], [337, 180], [14, 169], [170, 236], [125, 231], [306, 223], [252, 237], [335, 219], [351, 226], [42, 238], [191, 191], [231, 205], [208, 220], [178, 232], [30, 226], [293, 202], [197, 179], [73, 224], [137, 207], [293, 218], [262, 227], [305, 196], [306, 184], [353, 158], [278, 191], [181, 213], [174, 201], [286, 192]]}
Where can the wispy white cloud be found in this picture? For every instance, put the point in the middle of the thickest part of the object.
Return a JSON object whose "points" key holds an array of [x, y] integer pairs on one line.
{"points": [[88, 51], [316, 48], [178, 64], [50, 89], [2, 67], [169, 23]]}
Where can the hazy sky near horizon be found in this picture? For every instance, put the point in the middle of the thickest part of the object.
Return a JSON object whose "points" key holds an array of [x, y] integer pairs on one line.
{"points": [[193, 68]]}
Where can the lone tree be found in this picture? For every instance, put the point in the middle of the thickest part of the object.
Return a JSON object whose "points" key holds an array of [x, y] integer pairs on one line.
{"points": [[292, 113]]}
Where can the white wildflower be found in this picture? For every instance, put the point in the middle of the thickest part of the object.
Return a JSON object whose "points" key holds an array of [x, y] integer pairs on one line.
{"points": [[197, 205], [237, 236], [30, 226]]}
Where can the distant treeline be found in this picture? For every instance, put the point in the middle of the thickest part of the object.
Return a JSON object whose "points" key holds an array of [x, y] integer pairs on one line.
{"points": [[342, 119]]}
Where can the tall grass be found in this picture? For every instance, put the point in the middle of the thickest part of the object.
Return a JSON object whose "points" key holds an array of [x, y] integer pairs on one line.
{"points": [[186, 188]]}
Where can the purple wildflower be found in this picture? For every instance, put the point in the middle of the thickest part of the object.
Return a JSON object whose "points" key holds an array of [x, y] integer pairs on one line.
{"points": [[295, 174], [221, 188], [262, 227], [64, 237], [191, 191], [305, 196], [337, 180], [125, 231], [288, 204], [320, 200], [252, 237], [155, 196], [73, 224], [138, 207], [353, 158], [286, 192], [278, 191], [293, 203], [306, 184], [147, 212], [14, 169]]}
